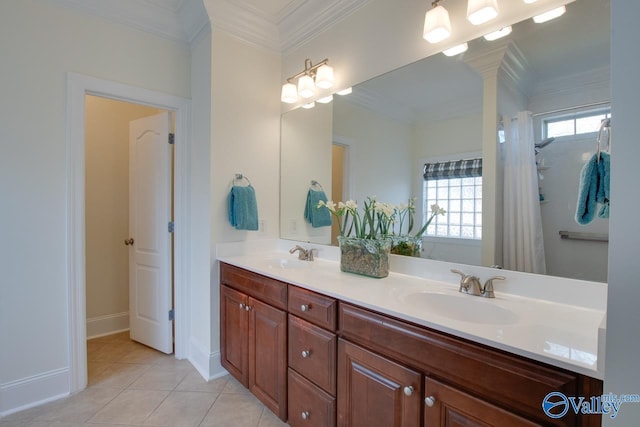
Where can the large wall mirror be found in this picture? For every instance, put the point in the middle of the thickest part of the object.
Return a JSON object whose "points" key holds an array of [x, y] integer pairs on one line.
{"points": [[375, 141]]}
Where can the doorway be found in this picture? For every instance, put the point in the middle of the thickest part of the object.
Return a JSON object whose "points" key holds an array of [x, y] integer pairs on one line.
{"points": [[117, 297], [78, 86]]}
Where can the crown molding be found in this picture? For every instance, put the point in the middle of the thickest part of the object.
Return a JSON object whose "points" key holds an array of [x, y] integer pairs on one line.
{"points": [[180, 21], [373, 101]]}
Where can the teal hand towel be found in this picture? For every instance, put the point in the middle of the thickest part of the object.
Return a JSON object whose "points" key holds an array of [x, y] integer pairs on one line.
{"points": [[604, 170], [243, 209], [587, 192], [314, 215]]}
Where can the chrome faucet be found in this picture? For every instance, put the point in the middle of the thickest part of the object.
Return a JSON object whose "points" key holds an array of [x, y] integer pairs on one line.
{"points": [[303, 254], [471, 285]]}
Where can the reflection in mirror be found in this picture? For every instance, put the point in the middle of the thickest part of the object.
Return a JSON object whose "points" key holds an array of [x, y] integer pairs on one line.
{"points": [[431, 110]]}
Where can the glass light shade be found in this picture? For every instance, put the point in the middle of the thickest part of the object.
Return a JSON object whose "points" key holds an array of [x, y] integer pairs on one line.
{"points": [[309, 105], [326, 99], [548, 16], [437, 25], [346, 91], [289, 93], [306, 87], [503, 32], [530, 1], [324, 77], [456, 50], [481, 11]]}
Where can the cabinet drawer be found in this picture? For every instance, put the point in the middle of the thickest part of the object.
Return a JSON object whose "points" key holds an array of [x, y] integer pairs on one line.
{"points": [[318, 309], [268, 290], [312, 353], [309, 406], [502, 379]]}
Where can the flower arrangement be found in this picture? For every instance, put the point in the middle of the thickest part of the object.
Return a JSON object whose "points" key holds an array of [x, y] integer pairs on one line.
{"points": [[375, 222], [405, 243]]}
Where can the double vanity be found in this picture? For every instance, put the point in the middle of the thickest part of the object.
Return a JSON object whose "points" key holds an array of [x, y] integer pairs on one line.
{"points": [[320, 347]]}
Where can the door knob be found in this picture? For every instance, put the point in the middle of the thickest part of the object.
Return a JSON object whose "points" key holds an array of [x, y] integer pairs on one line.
{"points": [[430, 401], [128, 242]]}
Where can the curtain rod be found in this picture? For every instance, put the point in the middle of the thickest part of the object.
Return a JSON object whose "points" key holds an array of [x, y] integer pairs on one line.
{"points": [[577, 107]]}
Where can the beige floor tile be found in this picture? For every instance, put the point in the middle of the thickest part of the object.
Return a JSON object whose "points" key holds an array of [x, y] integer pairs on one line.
{"points": [[269, 419], [144, 355], [234, 410], [79, 407], [160, 378], [233, 386], [182, 409], [118, 375], [194, 382], [130, 407], [23, 423]]}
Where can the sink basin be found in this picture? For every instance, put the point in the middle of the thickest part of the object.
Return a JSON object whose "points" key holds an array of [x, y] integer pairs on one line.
{"points": [[288, 264], [466, 308]]}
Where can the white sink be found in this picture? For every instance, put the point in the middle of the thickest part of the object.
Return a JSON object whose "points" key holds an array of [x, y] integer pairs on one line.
{"points": [[287, 264], [466, 308]]}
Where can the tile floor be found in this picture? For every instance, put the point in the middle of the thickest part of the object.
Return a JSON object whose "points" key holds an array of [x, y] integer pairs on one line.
{"points": [[133, 385]]}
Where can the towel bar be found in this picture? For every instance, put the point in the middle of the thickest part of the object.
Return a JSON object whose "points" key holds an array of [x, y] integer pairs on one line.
{"points": [[573, 235]]}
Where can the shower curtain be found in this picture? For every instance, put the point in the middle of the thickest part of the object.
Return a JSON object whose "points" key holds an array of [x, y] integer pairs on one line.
{"points": [[523, 244]]}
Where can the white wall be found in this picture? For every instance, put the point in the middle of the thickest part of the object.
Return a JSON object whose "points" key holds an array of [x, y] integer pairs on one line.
{"points": [[623, 317], [40, 42], [107, 211], [306, 140], [245, 138], [379, 153]]}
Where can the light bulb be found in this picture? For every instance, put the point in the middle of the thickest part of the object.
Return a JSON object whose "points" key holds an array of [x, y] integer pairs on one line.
{"points": [[481, 11], [456, 50], [324, 77], [306, 87], [437, 25], [289, 93]]}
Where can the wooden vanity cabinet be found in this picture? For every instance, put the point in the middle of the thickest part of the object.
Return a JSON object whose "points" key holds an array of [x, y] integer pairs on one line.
{"points": [[312, 358], [253, 332]]}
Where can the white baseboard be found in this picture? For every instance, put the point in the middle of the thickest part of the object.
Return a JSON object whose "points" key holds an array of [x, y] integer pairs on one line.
{"points": [[107, 325], [28, 392], [206, 363]]}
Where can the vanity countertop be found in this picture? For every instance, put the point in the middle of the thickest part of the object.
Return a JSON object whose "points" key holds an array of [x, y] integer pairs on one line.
{"points": [[560, 334]]}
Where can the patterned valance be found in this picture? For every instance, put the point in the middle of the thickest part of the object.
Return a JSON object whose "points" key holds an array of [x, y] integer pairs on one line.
{"points": [[469, 168]]}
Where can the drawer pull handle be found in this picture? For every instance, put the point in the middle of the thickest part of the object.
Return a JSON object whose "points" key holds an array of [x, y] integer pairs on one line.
{"points": [[305, 415], [430, 401], [304, 307], [408, 390], [306, 353]]}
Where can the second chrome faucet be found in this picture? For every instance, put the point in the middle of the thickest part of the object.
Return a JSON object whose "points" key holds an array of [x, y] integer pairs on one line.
{"points": [[303, 254], [471, 285]]}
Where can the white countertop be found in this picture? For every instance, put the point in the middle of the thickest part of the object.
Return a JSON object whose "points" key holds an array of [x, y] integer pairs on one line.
{"points": [[557, 333]]}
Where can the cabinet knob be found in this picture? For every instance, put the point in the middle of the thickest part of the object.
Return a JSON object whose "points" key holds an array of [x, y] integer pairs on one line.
{"points": [[408, 390], [306, 353], [430, 401], [305, 415], [247, 307], [304, 307], [241, 305]]}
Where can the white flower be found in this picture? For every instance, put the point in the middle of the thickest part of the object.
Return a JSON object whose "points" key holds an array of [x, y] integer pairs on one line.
{"points": [[351, 205], [437, 210]]}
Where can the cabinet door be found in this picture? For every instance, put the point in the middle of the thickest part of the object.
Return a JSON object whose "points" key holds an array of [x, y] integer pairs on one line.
{"points": [[234, 329], [447, 406], [268, 356], [375, 391]]}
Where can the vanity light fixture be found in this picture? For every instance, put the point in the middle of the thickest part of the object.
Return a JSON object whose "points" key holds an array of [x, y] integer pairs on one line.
{"points": [[326, 99], [346, 91], [318, 75], [529, 1], [495, 35], [437, 25], [481, 11], [456, 50], [548, 16]]}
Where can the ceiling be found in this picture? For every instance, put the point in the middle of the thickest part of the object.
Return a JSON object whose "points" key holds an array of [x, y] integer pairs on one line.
{"points": [[277, 25]]}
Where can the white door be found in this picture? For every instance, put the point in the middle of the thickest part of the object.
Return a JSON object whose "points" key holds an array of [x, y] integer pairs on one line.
{"points": [[150, 293]]}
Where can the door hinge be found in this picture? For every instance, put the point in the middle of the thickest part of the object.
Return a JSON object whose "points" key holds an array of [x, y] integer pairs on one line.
{"points": [[172, 138], [171, 226], [172, 315]]}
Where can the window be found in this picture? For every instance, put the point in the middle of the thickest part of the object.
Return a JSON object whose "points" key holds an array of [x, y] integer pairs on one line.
{"points": [[458, 190], [575, 125]]}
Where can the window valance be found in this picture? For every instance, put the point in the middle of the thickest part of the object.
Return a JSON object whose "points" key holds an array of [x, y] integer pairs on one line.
{"points": [[468, 168]]}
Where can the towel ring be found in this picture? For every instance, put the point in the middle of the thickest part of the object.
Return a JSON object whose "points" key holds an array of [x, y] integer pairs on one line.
{"points": [[315, 183], [606, 124], [239, 178]]}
